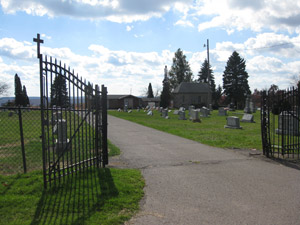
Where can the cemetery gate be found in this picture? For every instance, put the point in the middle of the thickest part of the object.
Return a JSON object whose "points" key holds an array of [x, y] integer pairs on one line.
{"points": [[280, 118], [73, 118]]}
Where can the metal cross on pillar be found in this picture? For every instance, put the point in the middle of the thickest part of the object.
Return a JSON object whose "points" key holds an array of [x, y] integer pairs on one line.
{"points": [[38, 40]]}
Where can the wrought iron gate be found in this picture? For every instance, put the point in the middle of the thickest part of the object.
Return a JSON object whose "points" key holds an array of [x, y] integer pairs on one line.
{"points": [[73, 118], [280, 131]]}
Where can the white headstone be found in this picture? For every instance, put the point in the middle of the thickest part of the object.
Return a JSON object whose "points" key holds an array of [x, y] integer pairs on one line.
{"points": [[204, 112], [233, 122], [176, 112], [149, 113], [191, 107], [248, 118], [195, 115]]}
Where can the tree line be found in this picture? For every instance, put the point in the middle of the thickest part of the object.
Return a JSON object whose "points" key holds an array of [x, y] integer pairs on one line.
{"points": [[235, 79]]}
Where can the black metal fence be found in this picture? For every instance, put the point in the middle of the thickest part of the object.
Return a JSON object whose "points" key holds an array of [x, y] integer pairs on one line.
{"points": [[20, 140], [73, 120], [280, 118]]}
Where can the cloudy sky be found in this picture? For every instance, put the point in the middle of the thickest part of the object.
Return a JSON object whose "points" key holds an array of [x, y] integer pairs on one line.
{"points": [[125, 44]]}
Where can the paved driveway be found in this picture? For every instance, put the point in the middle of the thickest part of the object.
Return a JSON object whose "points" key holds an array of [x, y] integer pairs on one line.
{"points": [[191, 183]]}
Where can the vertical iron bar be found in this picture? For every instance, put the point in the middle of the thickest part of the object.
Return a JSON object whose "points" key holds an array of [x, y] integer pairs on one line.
{"points": [[42, 120], [97, 126], [47, 110], [22, 140], [104, 125]]}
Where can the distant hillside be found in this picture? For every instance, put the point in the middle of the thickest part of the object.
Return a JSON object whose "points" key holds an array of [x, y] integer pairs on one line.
{"points": [[34, 101]]}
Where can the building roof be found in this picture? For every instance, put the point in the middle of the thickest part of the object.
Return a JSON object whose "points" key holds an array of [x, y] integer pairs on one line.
{"points": [[120, 96], [155, 99], [185, 87]]}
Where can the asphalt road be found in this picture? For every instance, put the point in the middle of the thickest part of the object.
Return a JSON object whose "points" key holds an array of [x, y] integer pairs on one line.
{"points": [[191, 183]]}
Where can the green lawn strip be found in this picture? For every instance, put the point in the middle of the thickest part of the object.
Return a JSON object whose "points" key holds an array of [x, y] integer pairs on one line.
{"points": [[95, 196], [210, 131], [10, 144], [112, 149]]}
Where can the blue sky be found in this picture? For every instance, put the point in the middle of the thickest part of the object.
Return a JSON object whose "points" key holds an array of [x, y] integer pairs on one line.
{"points": [[125, 44]]}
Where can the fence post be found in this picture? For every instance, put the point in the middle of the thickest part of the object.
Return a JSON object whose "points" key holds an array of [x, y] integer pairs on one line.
{"points": [[104, 125], [22, 140]]}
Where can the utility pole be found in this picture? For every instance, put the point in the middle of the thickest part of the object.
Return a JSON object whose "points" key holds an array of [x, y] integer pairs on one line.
{"points": [[208, 75]]}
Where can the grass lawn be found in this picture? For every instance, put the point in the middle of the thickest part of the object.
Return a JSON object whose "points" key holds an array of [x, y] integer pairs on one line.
{"points": [[210, 131], [96, 196], [10, 144]]}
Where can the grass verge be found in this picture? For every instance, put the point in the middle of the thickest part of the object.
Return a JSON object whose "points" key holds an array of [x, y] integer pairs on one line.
{"points": [[210, 131], [95, 196], [112, 149]]}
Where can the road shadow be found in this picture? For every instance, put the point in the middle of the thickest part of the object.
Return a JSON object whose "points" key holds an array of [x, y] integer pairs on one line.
{"points": [[76, 198]]}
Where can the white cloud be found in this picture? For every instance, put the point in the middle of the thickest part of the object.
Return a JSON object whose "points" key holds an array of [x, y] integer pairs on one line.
{"points": [[129, 28], [120, 71], [114, 10], [250, 14], [184, 23]]}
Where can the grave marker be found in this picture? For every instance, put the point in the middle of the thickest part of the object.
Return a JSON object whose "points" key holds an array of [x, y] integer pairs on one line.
{"points": [[233, 122], [248, 118], [222, 111]]}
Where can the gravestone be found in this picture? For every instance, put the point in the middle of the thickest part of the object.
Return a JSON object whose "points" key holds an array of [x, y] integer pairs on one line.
{"points": [[125, 108], [181, 109], [164, 113], [176, 112], [252, 107], [288, 124], [210, 107], [222, 111], [248, 118], [233, 122], [10, 114], [191, 107], [119, 110], [129, 111], [62, 137], [149, 113], [194, 116], [181, 115], [204, 112], [247, 105], [138, 109]]}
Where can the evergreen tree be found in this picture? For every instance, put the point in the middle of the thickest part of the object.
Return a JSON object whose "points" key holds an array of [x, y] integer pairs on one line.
{"points": [[180, 70], [18, 91], [203, 78], [89, 98], [25, 99], [59, 92], [235, 79], [218, 95], [150, 91], [165, 96]]}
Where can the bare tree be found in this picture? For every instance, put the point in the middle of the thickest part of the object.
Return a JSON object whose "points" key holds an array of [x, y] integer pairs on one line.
{"points": [[3, 88], [294, 81]]}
